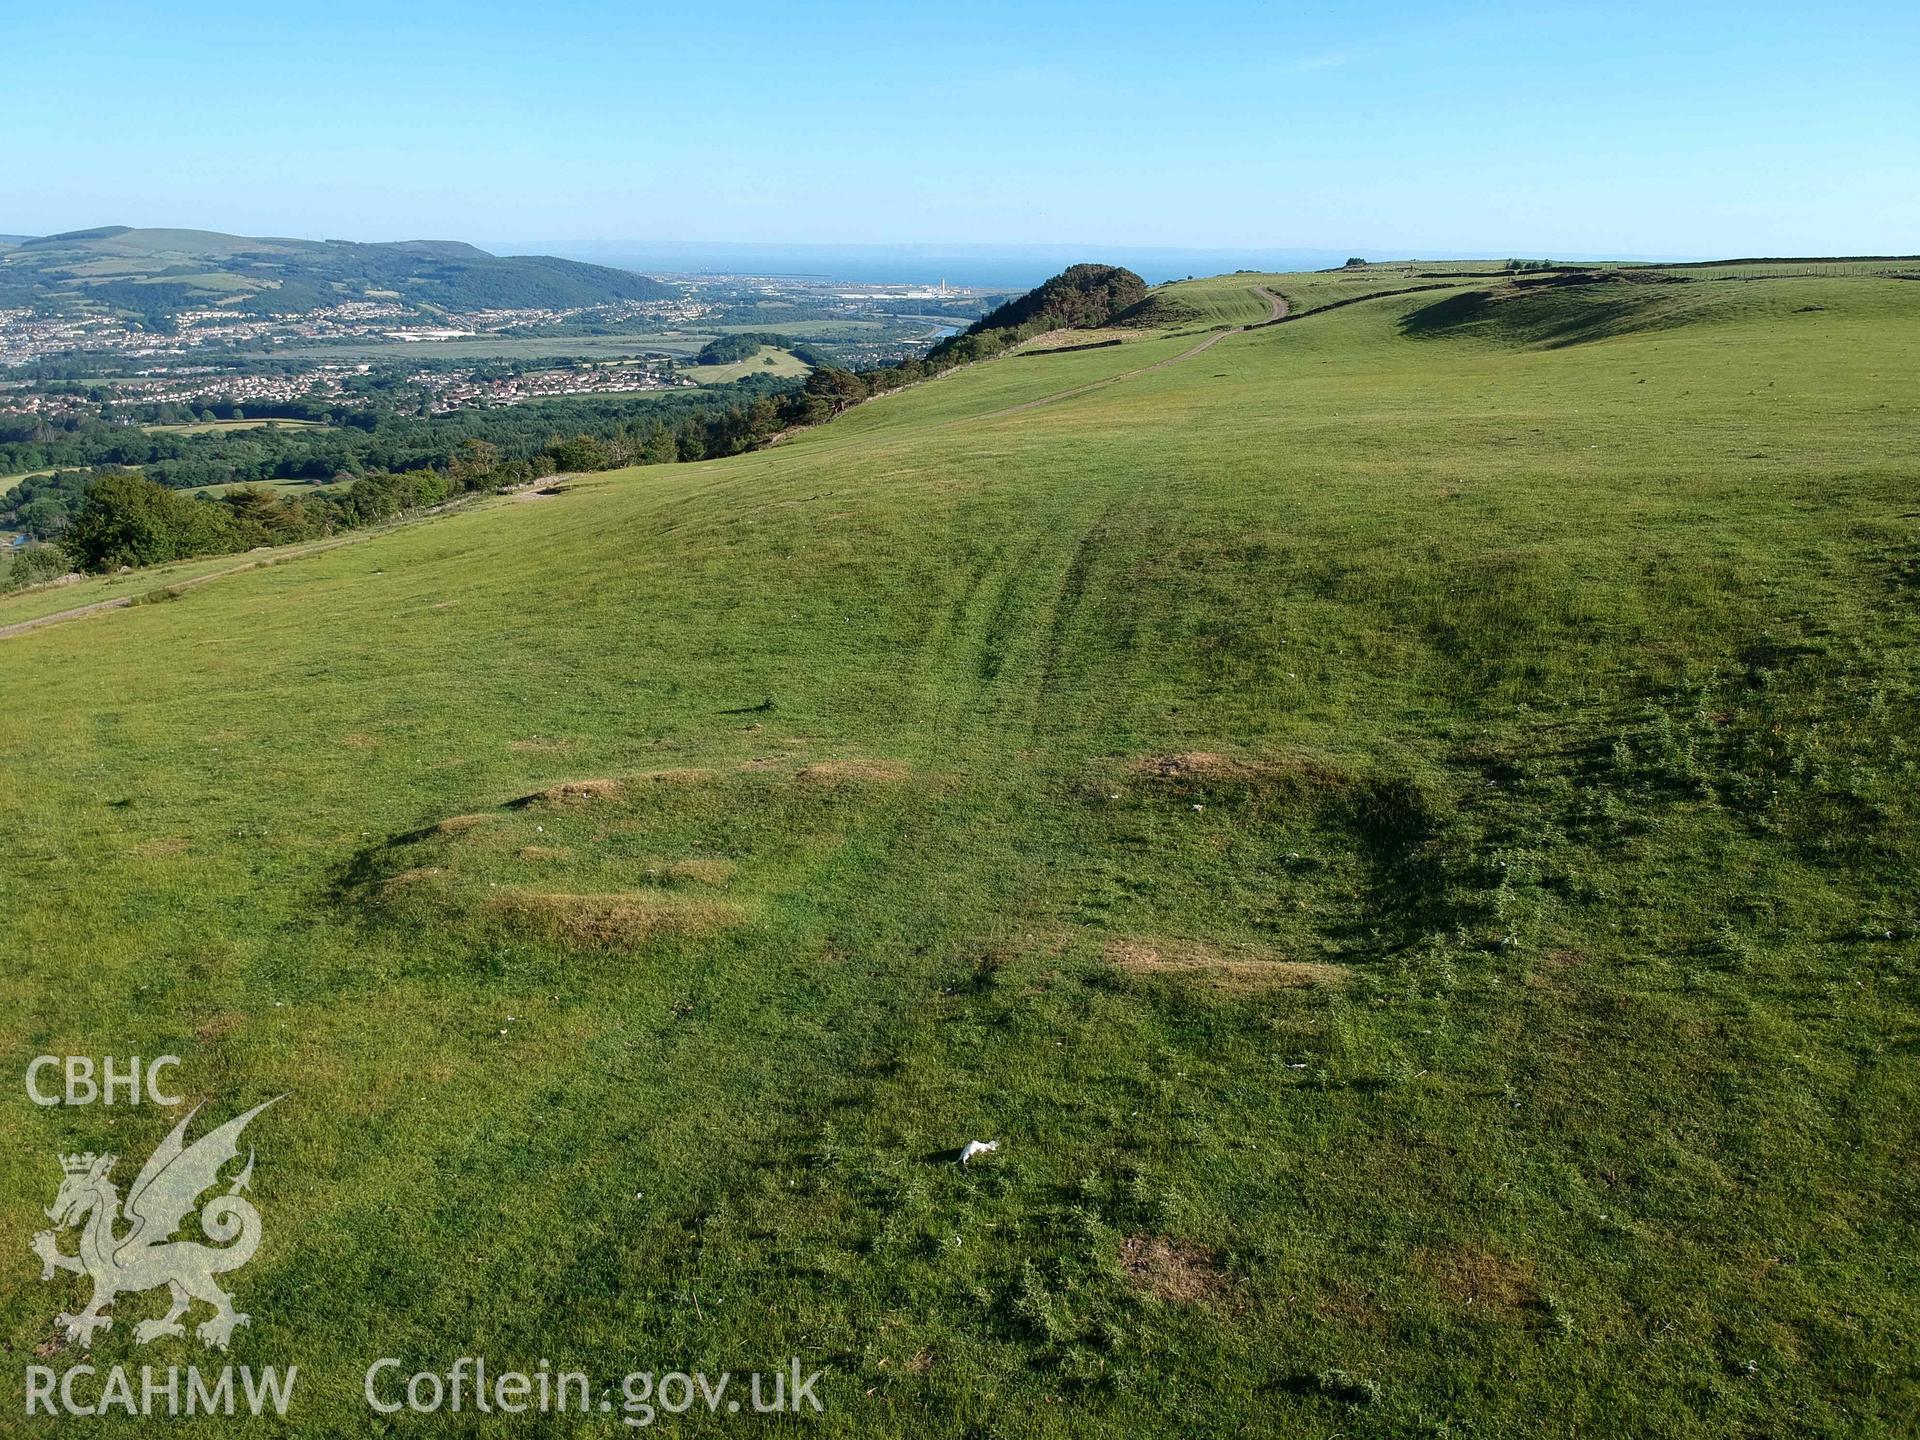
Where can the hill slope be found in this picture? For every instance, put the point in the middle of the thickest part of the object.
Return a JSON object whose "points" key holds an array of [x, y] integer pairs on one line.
{"points": [[1405, 833], [158, 272]]}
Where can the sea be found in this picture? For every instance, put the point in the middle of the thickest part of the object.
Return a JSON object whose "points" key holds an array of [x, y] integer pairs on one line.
{"points": [[992, 267]]}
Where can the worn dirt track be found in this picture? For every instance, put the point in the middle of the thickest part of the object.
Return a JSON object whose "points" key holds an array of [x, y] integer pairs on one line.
{"points": [[20, 627]]}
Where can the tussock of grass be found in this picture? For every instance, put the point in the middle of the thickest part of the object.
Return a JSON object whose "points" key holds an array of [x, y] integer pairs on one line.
{"points": [[217, 1027], [612, 922], [685, 775], [1177, 1272], [1236, 973], [412, 876], [702, 872], [835, 772], [1209, 765], [1479, 1280], [1189, 764], [569, 792]]}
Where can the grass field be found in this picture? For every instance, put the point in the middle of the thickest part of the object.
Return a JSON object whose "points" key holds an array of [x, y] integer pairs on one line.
{"points": [[279, 487], [1403, 823], [1794, 269], [767, 360], [1217, 300], [210, 427], [1236, 300], [51, 599]]}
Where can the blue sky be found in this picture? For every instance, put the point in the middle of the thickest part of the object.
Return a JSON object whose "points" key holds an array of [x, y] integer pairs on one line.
{"points": [[1680, 129]]}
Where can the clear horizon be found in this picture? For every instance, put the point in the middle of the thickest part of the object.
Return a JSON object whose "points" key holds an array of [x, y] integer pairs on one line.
{"points": [[978, 266], [1712, 131]]}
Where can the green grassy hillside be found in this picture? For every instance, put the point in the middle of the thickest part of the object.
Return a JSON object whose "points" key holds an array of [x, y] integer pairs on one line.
{"points": [[1402, 822], [1217, 300]]}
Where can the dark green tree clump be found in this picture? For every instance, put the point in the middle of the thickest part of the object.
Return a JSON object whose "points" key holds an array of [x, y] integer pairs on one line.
{"points": [[1079, 296], [731, 348], [128, 520]]}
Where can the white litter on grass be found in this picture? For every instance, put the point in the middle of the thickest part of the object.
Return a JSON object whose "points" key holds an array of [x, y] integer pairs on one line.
{"points": [[977, 1147]]}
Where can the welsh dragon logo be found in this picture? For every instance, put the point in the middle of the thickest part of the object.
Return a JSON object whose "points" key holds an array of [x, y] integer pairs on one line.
{"points": [[146, 1256]]}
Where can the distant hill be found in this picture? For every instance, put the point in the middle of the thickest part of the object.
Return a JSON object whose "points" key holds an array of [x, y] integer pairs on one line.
{"points": [[160, 272]]}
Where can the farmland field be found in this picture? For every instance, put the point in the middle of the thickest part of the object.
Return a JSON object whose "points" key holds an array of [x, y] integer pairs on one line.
{"points": [[279, 487], [1402, 822], [768, 360], [213, 427]]}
